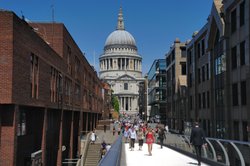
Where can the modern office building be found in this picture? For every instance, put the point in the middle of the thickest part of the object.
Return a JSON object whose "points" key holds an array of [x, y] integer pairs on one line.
{"points": [[49, 93], [157, 91], [176, 85], [237, 30], [121, 67], [143, 95], [218, 72]]}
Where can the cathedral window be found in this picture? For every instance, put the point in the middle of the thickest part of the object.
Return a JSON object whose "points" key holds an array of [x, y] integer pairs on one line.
{"points": [[125, 86]]}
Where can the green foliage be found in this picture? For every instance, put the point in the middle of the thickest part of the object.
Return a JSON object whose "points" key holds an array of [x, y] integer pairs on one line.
{"points": [[115, 103]]}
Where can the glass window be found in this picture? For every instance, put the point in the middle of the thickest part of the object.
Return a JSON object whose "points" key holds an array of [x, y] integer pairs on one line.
{"points": [[204, 100], [242, 53], [243, 93], [207, 67], [234, 57], [203, 47], [203, 73], [233, 21], [235, 94], [183, 69], [21, 128], [198, 50], [208, 100], [242, 13], [125, 86], [199, 75]]}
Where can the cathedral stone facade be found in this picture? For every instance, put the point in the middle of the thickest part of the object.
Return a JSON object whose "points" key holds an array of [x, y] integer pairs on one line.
{"points": [[121, 67]]}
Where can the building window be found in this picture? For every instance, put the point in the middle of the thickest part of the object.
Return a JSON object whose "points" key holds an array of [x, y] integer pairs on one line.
{"points": [[234, 57], [199, 101], [242, 53], [34, 75], [204, 100], [203, 47], [198, 50], [173, 55], [219, 95], [77, 92], [69, 67], [125, 86], [242, 13], [21, 126], [244, 130], [173, 72], [233, 21], [183, 51], [68, 91], [183, 69], [207, 67], [77, 67], [235, 94], [199, 75], [203, 73], [220, 64], [243, 93], [208, 100]]}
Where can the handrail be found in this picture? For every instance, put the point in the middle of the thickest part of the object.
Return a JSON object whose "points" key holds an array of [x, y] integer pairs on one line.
{"points": [[113, 156], [218, 151], [81, 161]]}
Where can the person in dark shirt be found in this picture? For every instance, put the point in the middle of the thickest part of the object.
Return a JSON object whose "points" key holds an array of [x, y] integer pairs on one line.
{"points": [[197, 139], [161, 136]]}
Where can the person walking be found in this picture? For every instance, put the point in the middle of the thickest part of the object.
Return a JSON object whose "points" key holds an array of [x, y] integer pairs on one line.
{"points": [[140, 137], [133, 138], [161, 136], [197, 139], [93, 137], [150, 140], [125, 135], [104, 128]]}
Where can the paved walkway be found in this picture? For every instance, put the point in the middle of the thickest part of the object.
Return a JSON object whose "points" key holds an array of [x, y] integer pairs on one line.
{"points": [[160, 157]]}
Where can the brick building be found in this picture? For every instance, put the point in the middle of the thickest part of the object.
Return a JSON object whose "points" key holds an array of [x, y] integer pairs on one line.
{"points": [[49, 93], [176, 86]]}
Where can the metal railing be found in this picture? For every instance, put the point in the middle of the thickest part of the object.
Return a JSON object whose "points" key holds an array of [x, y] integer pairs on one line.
{"points": [[217, 151], [113, 156], [85, 135]]}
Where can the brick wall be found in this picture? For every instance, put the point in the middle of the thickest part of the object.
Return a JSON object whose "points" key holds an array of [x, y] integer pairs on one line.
{"points": [[6, 49]]}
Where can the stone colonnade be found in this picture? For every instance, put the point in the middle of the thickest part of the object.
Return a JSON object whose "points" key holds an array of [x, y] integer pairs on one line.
{"points": [[121, 64]]}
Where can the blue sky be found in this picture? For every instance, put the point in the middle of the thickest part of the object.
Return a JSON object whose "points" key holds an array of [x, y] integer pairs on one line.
{"points": [[154, 23]]}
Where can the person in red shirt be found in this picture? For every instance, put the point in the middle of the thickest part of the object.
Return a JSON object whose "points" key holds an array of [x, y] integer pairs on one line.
{"points": [[150, 140]]}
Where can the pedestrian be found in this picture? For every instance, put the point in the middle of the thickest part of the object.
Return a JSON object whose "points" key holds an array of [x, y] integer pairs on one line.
{"points": [[197, 139], [114, 130], [161, 136], [133, 138], [140, 137], [166, 128], [93, 137], [103, 148], [125, 135], [150, 140], [104, 128]]}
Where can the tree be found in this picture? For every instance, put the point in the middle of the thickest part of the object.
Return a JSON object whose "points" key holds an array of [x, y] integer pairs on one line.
{"points": [[115, 103]]}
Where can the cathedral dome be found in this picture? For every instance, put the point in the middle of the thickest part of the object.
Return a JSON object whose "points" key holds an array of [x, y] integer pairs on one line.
{"points": [[120, 37]]}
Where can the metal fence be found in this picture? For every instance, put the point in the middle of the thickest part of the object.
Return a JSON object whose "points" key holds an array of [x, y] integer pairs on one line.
{"points": [[220, 151]]}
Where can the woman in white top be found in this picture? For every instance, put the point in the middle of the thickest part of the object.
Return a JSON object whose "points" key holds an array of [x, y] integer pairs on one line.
{"points": [[92, 137], [132, 138]]}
